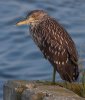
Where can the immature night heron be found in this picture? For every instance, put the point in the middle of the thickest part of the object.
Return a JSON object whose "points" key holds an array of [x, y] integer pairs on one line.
{"points": [[55, 43]]}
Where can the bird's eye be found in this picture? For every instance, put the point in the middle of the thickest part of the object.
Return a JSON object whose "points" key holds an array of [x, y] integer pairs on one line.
{"points": [[33, 16]]}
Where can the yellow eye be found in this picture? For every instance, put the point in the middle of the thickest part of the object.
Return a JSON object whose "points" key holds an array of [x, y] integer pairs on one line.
{"points": [[34, 16]]}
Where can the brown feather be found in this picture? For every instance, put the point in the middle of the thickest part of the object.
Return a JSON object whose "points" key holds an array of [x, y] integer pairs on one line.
{"points": [[58, 47]]}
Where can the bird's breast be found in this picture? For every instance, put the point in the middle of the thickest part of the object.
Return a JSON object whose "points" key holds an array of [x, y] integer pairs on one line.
{"points": [[36, 35]]}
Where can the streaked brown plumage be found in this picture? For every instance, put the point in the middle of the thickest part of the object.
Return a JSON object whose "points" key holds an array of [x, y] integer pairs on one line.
{"points": [[55, 43]]}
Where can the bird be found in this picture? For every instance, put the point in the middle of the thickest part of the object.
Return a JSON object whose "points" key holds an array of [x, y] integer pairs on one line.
{"points": [[54, 42]]}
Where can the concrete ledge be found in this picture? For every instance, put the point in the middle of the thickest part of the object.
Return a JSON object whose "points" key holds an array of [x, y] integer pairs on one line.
{"points": [[32, 90]]}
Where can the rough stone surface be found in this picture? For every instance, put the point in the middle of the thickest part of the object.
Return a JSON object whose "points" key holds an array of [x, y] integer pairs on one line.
{"points": [[32, 90]]}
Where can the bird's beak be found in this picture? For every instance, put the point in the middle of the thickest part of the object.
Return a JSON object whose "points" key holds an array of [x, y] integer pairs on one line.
{"points": [[22, 22], [25, 22]]}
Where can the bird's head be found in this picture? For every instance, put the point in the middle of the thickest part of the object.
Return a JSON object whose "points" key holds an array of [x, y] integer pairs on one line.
{"points": [[33, 18]]}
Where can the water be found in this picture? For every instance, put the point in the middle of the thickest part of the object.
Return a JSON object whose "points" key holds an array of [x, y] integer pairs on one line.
{"points": [[19, 56]]}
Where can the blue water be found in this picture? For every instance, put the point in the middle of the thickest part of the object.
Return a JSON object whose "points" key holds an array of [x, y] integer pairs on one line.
{"points": [[19, 56]]}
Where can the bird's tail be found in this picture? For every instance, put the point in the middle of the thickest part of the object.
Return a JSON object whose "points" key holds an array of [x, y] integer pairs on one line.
{"points": [[69, 73]]}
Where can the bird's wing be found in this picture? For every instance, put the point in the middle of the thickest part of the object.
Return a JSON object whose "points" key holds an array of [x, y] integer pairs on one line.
{"points": [[57, 39], [70, 47]]}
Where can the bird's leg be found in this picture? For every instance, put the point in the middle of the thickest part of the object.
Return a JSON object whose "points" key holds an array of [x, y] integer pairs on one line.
{"points": [[54, 74], [66, 84]]}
